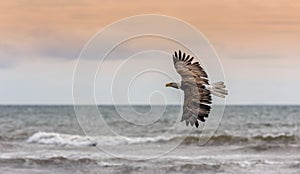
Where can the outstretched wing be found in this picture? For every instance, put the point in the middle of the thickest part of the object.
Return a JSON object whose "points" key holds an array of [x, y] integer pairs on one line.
{"points": [[194, 81]]}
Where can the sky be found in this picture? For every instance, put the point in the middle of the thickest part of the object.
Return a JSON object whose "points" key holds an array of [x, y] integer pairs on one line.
{"points": [[257, 43]]}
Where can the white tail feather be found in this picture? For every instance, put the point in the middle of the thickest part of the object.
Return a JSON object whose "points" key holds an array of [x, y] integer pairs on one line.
{"points": [[219, 85], [218, 89]]}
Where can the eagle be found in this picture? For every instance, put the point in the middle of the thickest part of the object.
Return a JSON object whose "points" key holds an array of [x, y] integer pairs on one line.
{"points": [[196, 87]]}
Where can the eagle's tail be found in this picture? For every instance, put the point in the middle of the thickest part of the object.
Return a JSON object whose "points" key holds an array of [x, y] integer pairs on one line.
{"points": [[218, 89]]}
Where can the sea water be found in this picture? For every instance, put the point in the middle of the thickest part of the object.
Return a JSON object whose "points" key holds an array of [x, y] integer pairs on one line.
{"points": [[52, 139]]}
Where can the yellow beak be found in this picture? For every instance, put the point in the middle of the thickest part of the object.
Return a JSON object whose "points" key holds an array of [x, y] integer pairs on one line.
{"points": [[168, 84]]}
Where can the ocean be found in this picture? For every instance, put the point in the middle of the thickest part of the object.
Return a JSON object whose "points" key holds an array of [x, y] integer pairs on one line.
{"points": [[52, 139]]}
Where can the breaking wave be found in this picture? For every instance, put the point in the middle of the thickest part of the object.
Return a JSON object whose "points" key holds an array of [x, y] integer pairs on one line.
{"points": [[240, 140], [76, 140]]}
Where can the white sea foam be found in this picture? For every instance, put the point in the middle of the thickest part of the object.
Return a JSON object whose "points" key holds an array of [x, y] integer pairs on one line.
{"points": [[59, 139], [76, 140]]}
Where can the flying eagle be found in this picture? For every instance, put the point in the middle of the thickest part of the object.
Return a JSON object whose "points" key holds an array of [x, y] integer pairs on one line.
{"points": [[197, 89]]}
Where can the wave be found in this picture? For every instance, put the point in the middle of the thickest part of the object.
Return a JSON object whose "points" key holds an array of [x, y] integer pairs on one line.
{"points": [[76, 140], [116, 165], [59, 139], [47, 161], [239, 140]]}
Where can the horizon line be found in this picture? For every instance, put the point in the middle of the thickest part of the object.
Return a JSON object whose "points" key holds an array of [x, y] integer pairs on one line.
{"points": [[29, 104]]}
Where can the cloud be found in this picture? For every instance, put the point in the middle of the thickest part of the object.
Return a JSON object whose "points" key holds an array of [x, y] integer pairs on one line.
{"points": [[39, 3], [282, 22], [6, 64], [43, 43], [7, 56], [247, 55]]}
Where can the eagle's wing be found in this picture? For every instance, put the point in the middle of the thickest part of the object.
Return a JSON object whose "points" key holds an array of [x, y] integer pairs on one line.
{"points": [[194, 84]]}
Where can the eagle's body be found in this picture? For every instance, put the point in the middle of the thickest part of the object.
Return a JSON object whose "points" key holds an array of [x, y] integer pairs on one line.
{"points": [[196, 87]]}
